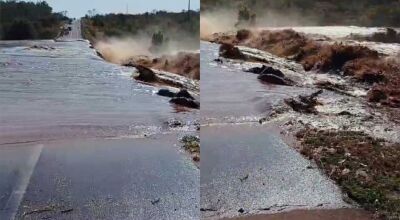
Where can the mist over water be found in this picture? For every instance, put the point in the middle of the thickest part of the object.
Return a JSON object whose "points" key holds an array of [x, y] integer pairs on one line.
{"points": [[217, 21], [120, 49], [117, 50], [224, 19]]}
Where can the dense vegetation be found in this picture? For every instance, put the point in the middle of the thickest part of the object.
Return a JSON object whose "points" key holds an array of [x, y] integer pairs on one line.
{"points": [[325, 12], [27, 20], [171, 25]]}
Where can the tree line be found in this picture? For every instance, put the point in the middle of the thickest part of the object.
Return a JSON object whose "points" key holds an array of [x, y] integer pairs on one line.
{"points": [[325, 12], [159, 24], [20, 20]]}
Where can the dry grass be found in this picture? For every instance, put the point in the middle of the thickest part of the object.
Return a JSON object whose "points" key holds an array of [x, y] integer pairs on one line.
{"points": [[367, 169]]}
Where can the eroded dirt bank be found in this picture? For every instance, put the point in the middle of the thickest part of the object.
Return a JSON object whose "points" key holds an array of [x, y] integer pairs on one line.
{"points": [[183, 63], [359, 63], [346, 121], [177, 72]]}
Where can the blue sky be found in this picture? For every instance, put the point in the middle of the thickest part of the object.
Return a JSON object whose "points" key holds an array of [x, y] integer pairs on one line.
{"points": [[78, 8]]}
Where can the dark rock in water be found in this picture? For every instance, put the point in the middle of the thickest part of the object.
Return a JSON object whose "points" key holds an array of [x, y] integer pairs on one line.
{"points": [[100, 55], [129, 64], [390, 36], [174, 123], [241, 210], [266, 70], [183, 93], [273, 79], [270, 75], [219, 60], [330, 86], [166, 93], [190, 103], [231, 52], [256, 70], [145, 74], [304, 104]]}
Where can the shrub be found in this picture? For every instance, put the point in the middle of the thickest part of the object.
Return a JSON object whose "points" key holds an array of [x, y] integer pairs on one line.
{"points": [[20, 30]]}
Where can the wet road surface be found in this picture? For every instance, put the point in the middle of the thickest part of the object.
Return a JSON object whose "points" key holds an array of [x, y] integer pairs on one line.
{"points": [[60, 104], [247, 168], [67, 91], [100, 179], [230, 95]]}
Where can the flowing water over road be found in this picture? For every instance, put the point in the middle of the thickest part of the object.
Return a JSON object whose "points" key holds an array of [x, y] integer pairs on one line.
{"points": [[229, 95], [62, 89], [81, 140], [247, 168]]}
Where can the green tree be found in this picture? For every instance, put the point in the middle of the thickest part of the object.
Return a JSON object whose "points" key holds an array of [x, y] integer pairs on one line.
{"points": [[20, 30], [157, 39], [28, 20]]}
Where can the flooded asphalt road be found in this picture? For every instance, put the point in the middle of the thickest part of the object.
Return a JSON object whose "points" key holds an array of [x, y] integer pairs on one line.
{"points": [[230, 95], [60, 104], [247, 168], [66, 91]]}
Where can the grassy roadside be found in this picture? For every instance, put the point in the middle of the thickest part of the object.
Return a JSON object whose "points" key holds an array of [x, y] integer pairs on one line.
{"points": [[367, 169]]}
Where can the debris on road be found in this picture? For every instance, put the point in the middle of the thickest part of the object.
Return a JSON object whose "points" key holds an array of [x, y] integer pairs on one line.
{"points": [[244, 178], [154, 202], [304, 104]]}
